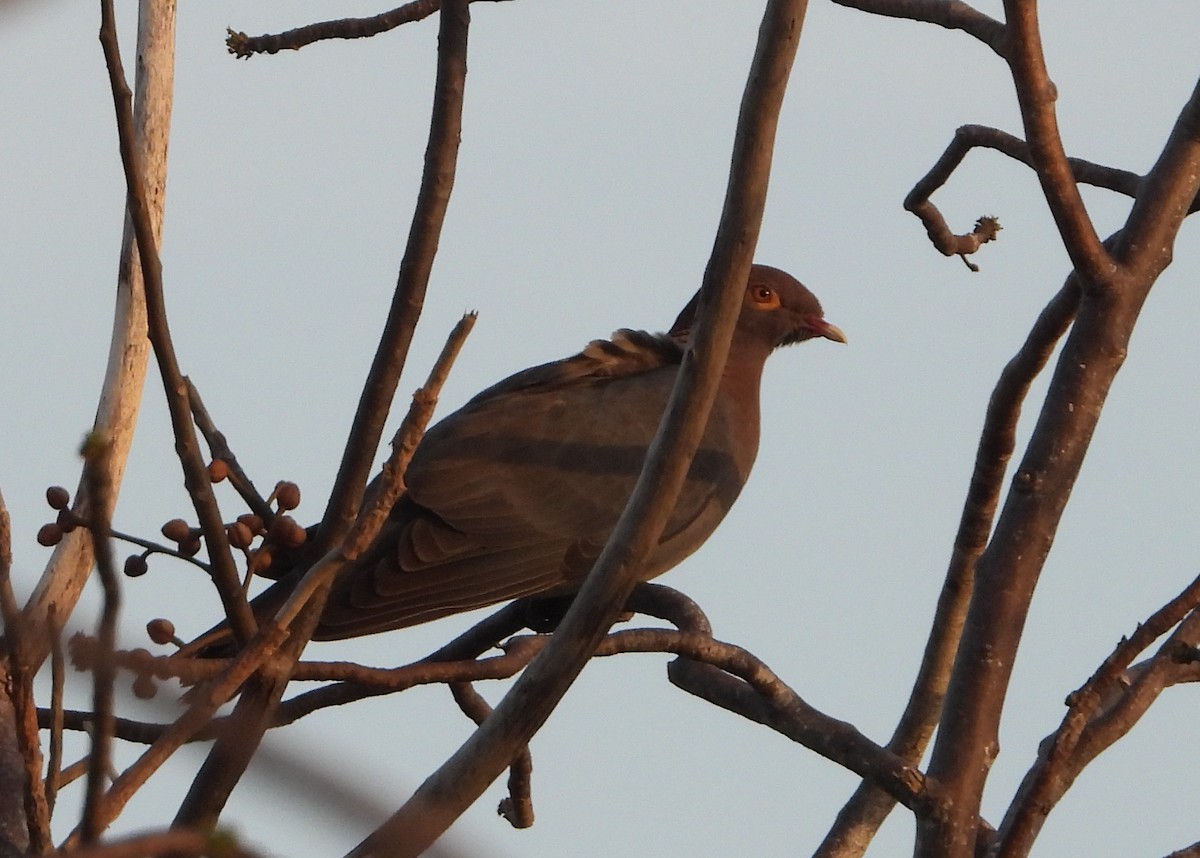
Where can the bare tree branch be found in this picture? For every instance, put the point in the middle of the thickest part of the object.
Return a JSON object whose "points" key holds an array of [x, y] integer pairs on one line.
{"points": [[196, 480], [1166, 197], [1008, 570], [96, 450], [1059, 760], [218, 447], [1036, 95], [866, 810], [243, 47], [450, 790], [120, 397], [951, 14], [254, 711], [18, 674]]}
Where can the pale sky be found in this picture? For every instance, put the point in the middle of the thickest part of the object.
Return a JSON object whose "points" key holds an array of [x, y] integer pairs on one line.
{"points": [[595, 148]]}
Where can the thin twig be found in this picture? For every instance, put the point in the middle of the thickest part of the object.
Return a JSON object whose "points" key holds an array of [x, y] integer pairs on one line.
{"points": [[517, 806], [243, 46], [58, 671], [196, 480], [1057, 763], [218, 446], [951, 14], [96, 450]]}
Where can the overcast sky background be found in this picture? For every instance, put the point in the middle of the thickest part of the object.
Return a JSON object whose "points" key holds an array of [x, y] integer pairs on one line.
{"points": [[593, 165]]}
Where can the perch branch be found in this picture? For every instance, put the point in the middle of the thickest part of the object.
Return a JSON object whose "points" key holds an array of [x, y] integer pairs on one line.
{"points": [[468, 772]]}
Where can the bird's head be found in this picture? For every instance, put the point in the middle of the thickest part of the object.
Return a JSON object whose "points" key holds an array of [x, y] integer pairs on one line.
{"points": [[777, 310]]}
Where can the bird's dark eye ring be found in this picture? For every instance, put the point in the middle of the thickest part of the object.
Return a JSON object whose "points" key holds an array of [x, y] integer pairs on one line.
{"points": [[763, 294]]}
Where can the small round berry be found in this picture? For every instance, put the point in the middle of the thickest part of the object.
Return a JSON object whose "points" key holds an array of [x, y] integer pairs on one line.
{"points": [[176, 530], [161, 631], [218, 470], [287, 494], [144, 687], [58, 497], [50, 534], [136, 565]]}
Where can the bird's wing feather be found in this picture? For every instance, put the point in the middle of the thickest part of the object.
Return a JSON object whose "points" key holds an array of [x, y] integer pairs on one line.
{"points": [[515, 493]]}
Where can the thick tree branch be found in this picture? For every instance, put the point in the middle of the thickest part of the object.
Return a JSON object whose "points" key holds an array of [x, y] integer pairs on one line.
{"points": [[460, 781], [1166, 196], [1036, 95], [16, 674], [858, 821]]}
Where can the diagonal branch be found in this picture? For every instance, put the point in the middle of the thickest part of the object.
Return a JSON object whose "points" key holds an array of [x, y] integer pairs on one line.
{"points": [[195, 473], [464, 777], [1096, 708], [1167, 195], [1036, 95], [869, 806], [255, 708], [120, 397], [951, 14]]}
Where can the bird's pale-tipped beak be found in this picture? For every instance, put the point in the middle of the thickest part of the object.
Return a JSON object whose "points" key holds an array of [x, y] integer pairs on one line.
{"points": [[823, 329]]}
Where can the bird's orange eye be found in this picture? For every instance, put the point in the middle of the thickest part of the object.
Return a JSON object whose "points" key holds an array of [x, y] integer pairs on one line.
{"points": [[763, 295]]}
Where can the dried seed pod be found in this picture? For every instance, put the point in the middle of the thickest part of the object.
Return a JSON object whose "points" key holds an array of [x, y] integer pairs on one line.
{"points": [[190, 546], [50, 534], [136, 566], [176, 530], [58, 497]]}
